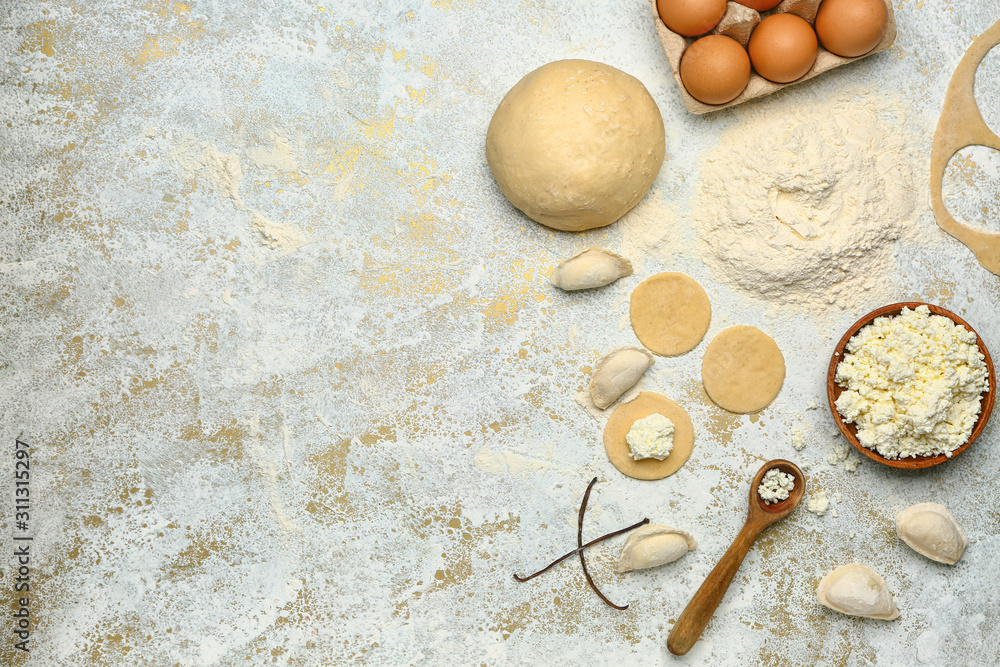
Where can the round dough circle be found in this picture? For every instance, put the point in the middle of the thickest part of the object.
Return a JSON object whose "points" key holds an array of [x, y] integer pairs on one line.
{"points": [[670, 313], [576, 144], [743, 369], [621, 420]]}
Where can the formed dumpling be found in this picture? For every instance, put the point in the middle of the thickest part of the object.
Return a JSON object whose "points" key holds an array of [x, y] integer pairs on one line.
{"points": [[857, 590], [654, 545], [931, 530], [591, 267], [617, 372]]}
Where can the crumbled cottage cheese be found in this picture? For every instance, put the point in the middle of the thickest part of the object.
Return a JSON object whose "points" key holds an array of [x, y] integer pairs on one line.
{"points": [[838, 453], [651, 437], [914, 384], [798, 439], [841, 453], [775, 485], [818, 503]]}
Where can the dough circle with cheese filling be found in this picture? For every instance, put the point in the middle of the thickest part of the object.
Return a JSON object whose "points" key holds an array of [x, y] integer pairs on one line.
{"points": [[626, 414], [743, 369]]}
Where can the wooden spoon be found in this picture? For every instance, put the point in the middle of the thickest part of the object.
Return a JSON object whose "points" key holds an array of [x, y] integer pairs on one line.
{"points": [[699, 610]]}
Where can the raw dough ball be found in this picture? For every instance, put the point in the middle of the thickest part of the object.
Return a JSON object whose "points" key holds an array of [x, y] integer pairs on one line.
{"points": [[626, 414], [743, 369], [670, 313], [576, 144]]}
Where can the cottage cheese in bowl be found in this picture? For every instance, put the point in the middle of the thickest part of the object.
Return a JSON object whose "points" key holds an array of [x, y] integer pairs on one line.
{"points": [[913, 384]]}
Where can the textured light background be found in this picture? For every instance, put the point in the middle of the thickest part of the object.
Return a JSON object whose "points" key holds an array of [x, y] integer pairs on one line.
{"points": [[298, 389]]}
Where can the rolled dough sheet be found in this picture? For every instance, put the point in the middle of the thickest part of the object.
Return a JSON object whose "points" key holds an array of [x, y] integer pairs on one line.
{"points": [[621, 420], [670, 313], [961, 124], [743, 369]]}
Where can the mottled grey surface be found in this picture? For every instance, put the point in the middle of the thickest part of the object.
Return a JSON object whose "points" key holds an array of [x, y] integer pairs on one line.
{"points": [[298, 390]]}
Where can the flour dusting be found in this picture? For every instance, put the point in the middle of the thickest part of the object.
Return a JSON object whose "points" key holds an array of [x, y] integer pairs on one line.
{"points": [[203, 161], [807, 209]]}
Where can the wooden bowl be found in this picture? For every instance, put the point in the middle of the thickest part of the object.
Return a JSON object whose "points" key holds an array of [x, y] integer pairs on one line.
{"points": [[850, 431]]}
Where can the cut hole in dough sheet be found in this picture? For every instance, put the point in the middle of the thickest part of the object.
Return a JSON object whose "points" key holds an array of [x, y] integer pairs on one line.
{"points": [[670, 313], [743, 369], [621, 420], [961, 125]]}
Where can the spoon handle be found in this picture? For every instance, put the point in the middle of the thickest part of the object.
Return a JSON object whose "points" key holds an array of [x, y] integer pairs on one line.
{"points": [[699, 610]]}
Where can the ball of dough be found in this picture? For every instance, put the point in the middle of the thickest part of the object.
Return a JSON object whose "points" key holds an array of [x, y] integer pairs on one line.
{"points": [[575, 144], [743, 369]]}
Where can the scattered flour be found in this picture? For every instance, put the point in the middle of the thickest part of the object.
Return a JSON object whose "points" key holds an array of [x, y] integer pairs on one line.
{"points": [[504, 462], [653, 228], [806, 209], [202, 161]]}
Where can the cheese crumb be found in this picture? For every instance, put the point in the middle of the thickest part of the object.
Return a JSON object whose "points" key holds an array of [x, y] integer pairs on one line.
{"points": [[818, 503], [839, 453], [798, 439], [775, 485], [914, 384], [651, 437]]}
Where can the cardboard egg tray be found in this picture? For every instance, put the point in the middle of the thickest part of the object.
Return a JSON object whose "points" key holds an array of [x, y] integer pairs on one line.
{"points": [[738, 22]]}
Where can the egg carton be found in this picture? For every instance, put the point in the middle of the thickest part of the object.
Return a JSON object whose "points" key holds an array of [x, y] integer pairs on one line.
{"points": [[738, 22]]}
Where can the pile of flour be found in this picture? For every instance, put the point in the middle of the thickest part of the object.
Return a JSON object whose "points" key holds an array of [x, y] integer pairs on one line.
{"points": [[805, 208]]}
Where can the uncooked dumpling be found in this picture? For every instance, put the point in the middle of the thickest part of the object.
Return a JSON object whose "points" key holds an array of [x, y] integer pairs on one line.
{"points": [[589, 268], [651, 546], [857, 590], [931, 530], [617, 372], [576, 144]]}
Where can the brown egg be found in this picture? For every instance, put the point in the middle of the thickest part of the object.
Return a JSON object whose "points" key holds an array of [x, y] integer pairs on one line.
{"points": [[759, 5], [851, 28], [691, 17], [783, 47], [715, 69]]}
